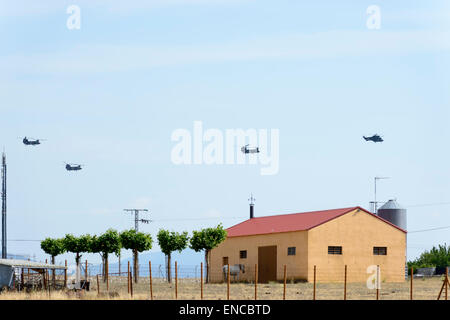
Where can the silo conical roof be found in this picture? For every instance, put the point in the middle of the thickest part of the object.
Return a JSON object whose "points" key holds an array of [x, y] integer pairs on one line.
{"points": [[393, 212], [391, 204]]}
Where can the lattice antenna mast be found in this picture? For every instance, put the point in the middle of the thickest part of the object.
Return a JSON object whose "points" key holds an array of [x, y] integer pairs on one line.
{"points": [[4, 238], [136, 217]]}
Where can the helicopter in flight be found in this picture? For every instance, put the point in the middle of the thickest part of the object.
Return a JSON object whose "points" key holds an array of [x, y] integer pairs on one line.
{"points": [[374, 138], [73, 167], [31, 142], [247, 149]]}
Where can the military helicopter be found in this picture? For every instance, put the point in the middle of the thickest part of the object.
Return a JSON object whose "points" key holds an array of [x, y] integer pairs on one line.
{"points": [[73, 167], [247, 149], [374, 138], [31, 142]]}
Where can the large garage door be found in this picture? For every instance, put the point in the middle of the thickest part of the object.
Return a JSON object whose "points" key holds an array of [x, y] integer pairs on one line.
{"points": [[267, 264]]}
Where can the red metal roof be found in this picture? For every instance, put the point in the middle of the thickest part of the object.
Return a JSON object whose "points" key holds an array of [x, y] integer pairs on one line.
{"points": [[291, 222]]}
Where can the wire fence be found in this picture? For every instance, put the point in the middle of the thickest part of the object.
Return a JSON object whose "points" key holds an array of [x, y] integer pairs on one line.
{"points": [[324, 282], [240, 282]]}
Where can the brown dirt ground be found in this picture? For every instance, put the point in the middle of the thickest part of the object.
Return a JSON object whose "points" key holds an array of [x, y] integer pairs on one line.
{"points": [[189, 289]]}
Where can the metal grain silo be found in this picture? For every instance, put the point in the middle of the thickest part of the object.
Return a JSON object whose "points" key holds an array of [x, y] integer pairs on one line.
{"points": [[394, 213]]}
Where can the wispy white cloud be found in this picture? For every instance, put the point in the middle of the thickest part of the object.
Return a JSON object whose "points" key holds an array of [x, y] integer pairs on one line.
{"points": [[86, 59]]}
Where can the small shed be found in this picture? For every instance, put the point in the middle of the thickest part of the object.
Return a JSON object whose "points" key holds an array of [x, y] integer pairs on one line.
{"points": [[12, 271]]}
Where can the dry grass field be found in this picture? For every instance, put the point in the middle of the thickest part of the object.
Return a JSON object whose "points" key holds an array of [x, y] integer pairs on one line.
{"points": [[189, 289]]}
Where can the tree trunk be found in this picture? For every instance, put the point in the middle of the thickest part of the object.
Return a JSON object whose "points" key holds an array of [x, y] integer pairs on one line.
{"points": [[103, 268], [77, 274], [207, 266], [136, 266], [120, 273], [53, 272], [169, 271], [106, 268]]}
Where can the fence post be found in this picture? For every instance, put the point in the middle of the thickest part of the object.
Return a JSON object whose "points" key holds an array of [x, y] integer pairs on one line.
{"points": [[201, 280], [86, 271], [98, 286], [228, 281], [45, 280], [176, 281], [107, 275], [345, 283], [131, 283], [284, 286], [412, 275], [446, 283], [314, 286], [128, 278], [21, 280], [65, 274], [48, 282], [151, 283], [256, 281], [378, 282]]}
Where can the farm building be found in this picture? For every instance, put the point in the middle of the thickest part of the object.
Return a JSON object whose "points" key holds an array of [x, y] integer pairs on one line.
{"points": [[27, 273], [328, 239]]}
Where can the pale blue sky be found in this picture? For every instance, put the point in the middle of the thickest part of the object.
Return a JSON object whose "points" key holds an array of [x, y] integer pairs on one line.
{"points": [[110, 94]]}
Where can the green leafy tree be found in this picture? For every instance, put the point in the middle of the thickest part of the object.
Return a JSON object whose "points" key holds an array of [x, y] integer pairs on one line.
{"points": [[169, 242], [207, 239], [77, 245], [436, 257], [53, 247], [106, 244], [136, 242]]}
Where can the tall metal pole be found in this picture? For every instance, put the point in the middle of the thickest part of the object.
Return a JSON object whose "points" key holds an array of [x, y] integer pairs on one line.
{"points": [[4, 239], [136, 217], [136, 228], [375, 202]]}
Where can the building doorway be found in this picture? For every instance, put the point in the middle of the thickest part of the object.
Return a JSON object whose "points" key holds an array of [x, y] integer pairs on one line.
{"points": [[267, 264]]}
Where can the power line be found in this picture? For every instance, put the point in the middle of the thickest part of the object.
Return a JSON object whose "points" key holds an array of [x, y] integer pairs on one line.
{"points": [[431, 229], [429, 204], [196, 219]]}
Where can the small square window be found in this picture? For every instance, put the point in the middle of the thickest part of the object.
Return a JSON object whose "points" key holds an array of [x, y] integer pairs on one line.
{"points": [[380, 251], [291, 251], [243, 254], [334, 250]]}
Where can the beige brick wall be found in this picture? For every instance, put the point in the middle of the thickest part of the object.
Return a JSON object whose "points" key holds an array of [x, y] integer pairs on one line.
{"points": [[296, 265], [357, 232]]}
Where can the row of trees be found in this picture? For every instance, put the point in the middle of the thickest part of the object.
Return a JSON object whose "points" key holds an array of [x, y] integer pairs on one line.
{"points": [[436, 257], [203, 240], [111, 242]]}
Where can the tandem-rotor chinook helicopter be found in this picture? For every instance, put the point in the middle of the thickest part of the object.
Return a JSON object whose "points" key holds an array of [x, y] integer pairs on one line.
{"points": [[247, 149], [73, 167], [32, 142]]}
